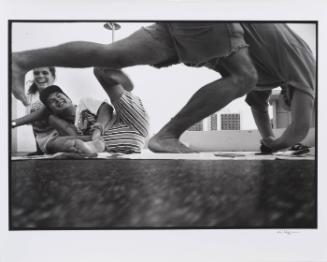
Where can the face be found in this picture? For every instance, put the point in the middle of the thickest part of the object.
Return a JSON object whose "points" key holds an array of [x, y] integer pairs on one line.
{"points": [[58, 102], [43, 77]]}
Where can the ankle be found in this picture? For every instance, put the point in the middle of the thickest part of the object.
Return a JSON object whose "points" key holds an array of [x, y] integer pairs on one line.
{"points": [[19, 61], [167, 133]]}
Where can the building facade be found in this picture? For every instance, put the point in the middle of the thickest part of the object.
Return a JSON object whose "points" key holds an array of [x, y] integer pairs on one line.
{"points": [[215, 122], [282, 117]]}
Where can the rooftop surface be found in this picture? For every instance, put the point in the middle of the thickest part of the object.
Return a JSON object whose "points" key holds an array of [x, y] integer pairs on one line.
{"points": [[114, 193]]}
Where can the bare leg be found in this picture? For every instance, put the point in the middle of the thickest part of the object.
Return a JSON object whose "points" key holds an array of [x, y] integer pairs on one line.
{"points": [[109, 78], [113, 81], [63, 127], [133, 50], [74, 145], [301, 111], [206, 101]]}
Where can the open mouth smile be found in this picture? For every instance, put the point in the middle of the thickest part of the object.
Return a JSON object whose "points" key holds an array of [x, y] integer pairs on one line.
{"points": [[61, 103], [42, 82]]}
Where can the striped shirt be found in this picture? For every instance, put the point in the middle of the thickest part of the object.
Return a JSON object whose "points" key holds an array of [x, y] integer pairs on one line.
{"points": [[128, 132]]}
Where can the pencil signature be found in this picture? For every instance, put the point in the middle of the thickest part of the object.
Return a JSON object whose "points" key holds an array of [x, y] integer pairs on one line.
{"points": [[287, 232]]}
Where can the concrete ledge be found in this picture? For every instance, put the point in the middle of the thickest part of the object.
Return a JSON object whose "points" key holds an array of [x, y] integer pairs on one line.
{"points": [[232, 140], [124, 193]]}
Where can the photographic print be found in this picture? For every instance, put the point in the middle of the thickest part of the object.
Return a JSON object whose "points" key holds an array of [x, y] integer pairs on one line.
{"points": [[162, 124]]}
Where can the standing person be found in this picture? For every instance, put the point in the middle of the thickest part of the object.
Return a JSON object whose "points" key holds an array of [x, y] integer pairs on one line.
{"points": [[121, 127], [281, 58], [287, 62], [37, 113], [192, 43]]}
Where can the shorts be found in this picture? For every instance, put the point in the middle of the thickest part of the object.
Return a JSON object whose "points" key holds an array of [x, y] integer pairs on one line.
{"points": [[42, 139], [299, 68], [198, 42], [191, 43], [281, 58], [157, 43]]}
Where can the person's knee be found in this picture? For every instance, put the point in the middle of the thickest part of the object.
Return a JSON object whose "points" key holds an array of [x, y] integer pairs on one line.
{"points": [[245, 80], [51, 146]]}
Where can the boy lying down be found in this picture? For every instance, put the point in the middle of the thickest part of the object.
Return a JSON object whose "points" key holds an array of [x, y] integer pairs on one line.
{"points": [[95, 126]]}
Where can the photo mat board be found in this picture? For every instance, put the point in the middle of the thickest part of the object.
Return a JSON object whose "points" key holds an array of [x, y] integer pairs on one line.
{"points": [[165, 245]]}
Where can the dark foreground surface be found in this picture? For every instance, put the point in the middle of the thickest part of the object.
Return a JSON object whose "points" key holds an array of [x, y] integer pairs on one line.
{"points": [[72, 194]]}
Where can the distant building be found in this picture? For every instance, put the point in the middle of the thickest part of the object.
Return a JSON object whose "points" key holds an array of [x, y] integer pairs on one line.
{"points": [[212, 123], [230, 121], [281, 117], [197, 127]]}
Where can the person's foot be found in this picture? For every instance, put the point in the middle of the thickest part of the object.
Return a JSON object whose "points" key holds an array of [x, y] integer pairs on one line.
{"points": [[18, 77], [110, 76], [90, 148], [167, 144], [121, 78], [36, 153]]}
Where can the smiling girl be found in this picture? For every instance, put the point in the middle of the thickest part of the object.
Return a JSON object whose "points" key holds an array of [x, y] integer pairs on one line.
{"points": [[42, 78]]}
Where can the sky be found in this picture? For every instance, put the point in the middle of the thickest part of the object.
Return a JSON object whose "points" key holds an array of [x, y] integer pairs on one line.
{"points": [[163, 91]]}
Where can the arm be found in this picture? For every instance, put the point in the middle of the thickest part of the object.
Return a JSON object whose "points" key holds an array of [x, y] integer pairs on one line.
{"points": [[104, 117], [262, 120], [301, 112], [30, 118], [258, 101], [62, 126]]}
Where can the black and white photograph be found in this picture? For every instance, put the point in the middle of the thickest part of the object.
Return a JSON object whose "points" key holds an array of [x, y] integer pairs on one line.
{"points": [[197, 131], [211, 125]]}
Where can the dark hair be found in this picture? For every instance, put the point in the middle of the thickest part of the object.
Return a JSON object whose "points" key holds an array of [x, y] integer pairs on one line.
{"points": [[33, 88], [44, 94]]}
